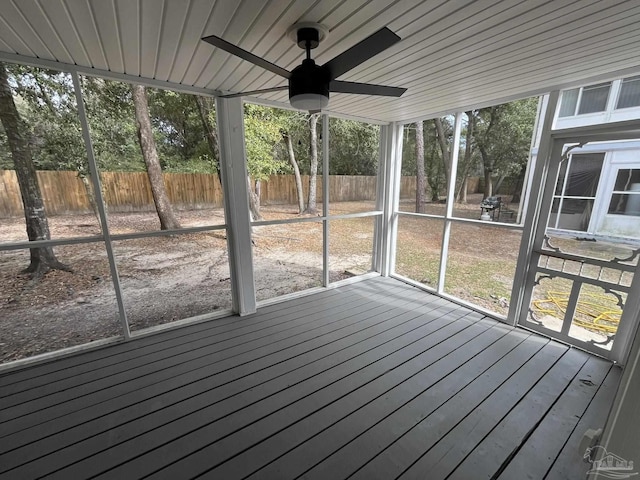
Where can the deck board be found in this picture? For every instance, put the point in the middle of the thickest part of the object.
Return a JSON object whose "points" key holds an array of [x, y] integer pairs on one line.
{"points": [[375, 379]]}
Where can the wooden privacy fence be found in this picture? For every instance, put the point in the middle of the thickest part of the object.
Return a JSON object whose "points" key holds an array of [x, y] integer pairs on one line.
{"points": [[64, 192]]}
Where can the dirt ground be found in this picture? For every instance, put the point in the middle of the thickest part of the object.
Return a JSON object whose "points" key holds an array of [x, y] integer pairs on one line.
{"points": [[164, 279]]}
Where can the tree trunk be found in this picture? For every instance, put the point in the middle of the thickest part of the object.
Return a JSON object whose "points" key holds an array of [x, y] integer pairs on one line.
{"points": [[91, 194], [168, 221], [296, 171], [444, 148], [204, 109], [254, 201], [488, 170], [312, 208], [420, 177], [465, 165], [42, 258]]}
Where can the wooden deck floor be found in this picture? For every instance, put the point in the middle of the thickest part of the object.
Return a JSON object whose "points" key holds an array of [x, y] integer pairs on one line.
{"points": [[372, 380]]}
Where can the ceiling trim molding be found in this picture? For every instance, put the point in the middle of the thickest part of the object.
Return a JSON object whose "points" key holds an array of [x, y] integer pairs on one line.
{"points": [[106, 74]]}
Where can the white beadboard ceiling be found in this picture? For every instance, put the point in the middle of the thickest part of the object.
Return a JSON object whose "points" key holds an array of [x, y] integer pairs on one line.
{"points": [[454, 53]]}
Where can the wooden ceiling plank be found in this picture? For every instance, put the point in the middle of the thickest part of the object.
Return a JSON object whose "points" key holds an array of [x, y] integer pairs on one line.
{"points": [[500, 43], [262, 44], [44, 29], [151, 15], [536, 81], [555, 55], [259, 36], [12, 39], [195, 25], [23, 29], [173, 28], [503, 57], [60, 20], [235, 29], [128, 17], [84, 24], [108, 27], [222, 13]]}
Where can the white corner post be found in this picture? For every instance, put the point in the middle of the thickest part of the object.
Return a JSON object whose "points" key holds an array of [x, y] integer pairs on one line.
{"points": [[102, 212], [387, 197], [451, 198], [533, 207], [325, 200], [233, 169]]}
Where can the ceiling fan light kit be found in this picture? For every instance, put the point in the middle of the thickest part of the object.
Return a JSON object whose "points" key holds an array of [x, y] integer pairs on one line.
{"points": [[310, 84]]}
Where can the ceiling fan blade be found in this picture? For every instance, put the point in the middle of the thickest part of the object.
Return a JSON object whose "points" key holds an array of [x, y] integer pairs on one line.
{"points": [[340, 86], [256, 92], [248, 56], [361, 52]]}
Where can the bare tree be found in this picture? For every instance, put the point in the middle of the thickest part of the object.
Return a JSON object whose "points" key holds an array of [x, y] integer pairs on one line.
{"points": [[42, 259], [312, 207], [444, 148], [420, 175], [466, 163], [286, 137], [168, 221]]}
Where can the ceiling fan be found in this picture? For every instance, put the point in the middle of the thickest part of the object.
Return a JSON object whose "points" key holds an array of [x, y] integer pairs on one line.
{"points": [[310, 84]]}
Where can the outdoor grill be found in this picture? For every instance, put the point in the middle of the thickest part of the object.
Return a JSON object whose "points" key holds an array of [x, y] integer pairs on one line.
{"points": [[490, 204]]}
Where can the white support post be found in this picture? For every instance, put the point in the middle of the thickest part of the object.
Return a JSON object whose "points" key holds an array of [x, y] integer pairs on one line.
{"points": [[533, 209], [233, 169], [391, 154], [451, 196], [381, 188], [102, 212], [325, 199]]}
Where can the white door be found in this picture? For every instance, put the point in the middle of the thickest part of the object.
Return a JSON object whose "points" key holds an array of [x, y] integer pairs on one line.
{"points": [[576, 287]]}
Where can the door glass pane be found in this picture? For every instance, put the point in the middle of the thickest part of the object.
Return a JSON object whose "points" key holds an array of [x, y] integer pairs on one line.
{"points": [[629, 93], [594, 98], [569, 102]]}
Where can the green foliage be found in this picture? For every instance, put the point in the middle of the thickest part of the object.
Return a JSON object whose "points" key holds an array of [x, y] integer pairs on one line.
{"points": [[263, 132], [353, 147]]}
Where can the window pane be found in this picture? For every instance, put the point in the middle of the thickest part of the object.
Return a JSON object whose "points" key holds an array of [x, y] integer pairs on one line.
{"points": [[171, 278], [354, 149], [436, 138], [628, 179], [628, 204], [562, 173], [418, 249], [629, 93], [594, 98], [569, 101], [584, 174], [46, 106], [61, 309], [287, 258], [575, 214], [350, 247], [481, 265]]}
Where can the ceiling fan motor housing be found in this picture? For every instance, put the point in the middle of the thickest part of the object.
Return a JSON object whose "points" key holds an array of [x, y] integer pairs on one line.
{"points": [[309, 78]]}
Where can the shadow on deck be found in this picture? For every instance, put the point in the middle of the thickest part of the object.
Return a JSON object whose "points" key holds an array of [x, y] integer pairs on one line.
{"points": [[375, 379]]}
